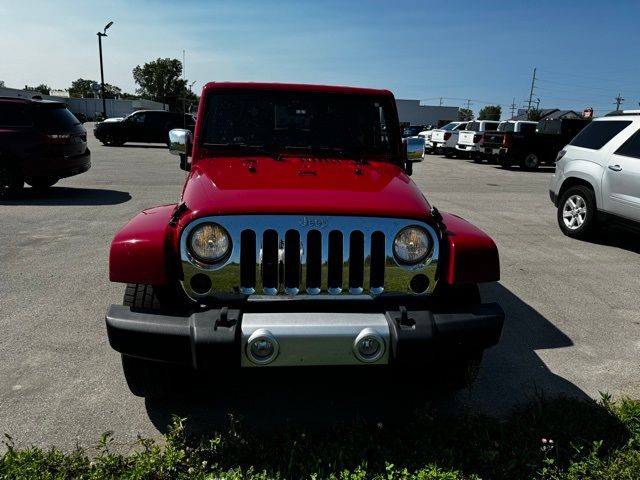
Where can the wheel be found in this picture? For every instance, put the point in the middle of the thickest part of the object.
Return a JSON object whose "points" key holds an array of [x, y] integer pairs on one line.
{"points": [[448, 154], [11, 180], [477, 159], [577, 212], [111, 140], [531, 161], [147, 378], [42, 182]]}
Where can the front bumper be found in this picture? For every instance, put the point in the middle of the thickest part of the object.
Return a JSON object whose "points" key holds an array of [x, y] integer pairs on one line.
{"points": [[218, 338]]}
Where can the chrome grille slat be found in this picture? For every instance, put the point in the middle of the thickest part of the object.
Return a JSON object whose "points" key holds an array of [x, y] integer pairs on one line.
{"points": [[375, 239]]}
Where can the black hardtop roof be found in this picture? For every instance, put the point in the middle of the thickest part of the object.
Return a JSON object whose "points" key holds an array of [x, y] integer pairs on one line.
{"points": [[32, 101]]}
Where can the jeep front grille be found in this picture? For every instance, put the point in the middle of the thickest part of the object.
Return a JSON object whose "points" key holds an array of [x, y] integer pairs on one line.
{"points": [[294, 254]]}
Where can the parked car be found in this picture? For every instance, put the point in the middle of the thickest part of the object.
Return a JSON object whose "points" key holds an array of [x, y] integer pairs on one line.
{"points": [[597, 177], [445, 139], [470, 140], [145, 126], [496, 143], [250, 271], [40, 143], [412, 130], [426, 136], [541, 147], [82, 118]]}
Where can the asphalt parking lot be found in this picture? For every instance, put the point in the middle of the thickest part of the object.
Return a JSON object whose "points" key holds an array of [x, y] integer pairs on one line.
{"points": [[573, 319]]}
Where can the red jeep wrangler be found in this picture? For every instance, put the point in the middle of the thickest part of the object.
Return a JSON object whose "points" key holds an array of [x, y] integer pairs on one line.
{"points": [[299, 240]]}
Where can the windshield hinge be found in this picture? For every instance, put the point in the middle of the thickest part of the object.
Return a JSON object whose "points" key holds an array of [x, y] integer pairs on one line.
{"points": [[179, 210]]}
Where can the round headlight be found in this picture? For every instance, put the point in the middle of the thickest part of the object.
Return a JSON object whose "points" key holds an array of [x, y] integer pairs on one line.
{"points": [[411, 245], [209, 242]]}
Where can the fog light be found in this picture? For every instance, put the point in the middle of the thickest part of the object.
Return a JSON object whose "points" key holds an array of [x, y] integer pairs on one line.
{"points": [[369, 346], [262, 347]]}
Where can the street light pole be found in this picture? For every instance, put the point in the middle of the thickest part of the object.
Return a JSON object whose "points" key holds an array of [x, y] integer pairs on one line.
{"points": [[100, 35]]}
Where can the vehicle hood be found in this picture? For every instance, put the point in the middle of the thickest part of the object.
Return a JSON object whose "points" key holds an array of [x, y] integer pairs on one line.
{"points": [[324, 186]]}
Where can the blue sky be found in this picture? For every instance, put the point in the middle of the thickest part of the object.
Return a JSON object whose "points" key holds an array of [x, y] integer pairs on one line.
{"points": [[586, 52]]}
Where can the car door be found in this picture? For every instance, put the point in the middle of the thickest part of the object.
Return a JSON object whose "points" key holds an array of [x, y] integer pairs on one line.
{"points": [[134, 130], [621, 180]]}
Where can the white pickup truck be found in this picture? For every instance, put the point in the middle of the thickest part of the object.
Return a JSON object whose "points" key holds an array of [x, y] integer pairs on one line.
{"points": [[445, 139], [470, 140]]}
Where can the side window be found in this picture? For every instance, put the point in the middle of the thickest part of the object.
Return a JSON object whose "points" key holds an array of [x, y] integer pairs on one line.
{"points": [[139, 118], [597, 134], [14, 115], [528, 128], [631, 148]]}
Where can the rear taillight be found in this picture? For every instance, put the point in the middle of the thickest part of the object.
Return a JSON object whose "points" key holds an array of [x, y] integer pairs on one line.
{"points": [[561, 154], [62, 139], [477, 137], [447, 135], [506, 140]]}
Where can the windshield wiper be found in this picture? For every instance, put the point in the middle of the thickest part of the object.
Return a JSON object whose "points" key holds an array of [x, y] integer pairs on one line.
{"points": [[255, 148]]}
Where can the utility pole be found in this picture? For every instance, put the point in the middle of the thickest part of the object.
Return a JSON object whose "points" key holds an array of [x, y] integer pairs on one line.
{"points": [[468, 104], [513, 107], [533, 84], [440, 101], [618, 100]]}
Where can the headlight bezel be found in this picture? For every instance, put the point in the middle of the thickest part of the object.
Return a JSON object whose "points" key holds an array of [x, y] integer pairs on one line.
{"points": [[425, 258], [205, 260]]}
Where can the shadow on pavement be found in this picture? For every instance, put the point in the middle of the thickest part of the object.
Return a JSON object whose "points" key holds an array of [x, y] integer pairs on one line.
{"points": [[511, 374], [59, 196], [617, 237]]}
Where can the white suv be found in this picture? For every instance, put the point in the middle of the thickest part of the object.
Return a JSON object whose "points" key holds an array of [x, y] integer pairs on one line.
{"points": [[597, 175]]}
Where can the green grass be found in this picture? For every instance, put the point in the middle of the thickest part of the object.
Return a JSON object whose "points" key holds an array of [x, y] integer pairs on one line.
{"points": [[548, 439]]}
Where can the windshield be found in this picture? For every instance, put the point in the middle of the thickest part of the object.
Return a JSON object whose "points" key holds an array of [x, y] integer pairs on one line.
{"points": [[506, 127], [450, 126], [288, 119]]}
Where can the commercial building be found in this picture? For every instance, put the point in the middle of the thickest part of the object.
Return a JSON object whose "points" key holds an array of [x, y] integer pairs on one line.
{"points": [[411, 112], [88, 106]]}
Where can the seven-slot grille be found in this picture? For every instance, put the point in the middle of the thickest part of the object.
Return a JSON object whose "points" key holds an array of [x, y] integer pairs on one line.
{"points": [[293, 254]]}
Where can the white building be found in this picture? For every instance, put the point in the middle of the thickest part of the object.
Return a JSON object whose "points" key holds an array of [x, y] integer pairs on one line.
{"points": [[410, 112]]}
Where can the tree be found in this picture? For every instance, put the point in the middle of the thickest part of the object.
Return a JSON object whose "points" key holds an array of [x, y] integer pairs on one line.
{"points": [[534, 114], [42, 88], [1, 83], [465, 114], [490, 112], [160, 81], [81, 88]]}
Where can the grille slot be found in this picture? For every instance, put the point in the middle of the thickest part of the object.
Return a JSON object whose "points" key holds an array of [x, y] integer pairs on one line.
{"points": [[247, 261], [292, 262], [270, 264], [334, 275], [377, 261], [314, 262], [356, 262]]}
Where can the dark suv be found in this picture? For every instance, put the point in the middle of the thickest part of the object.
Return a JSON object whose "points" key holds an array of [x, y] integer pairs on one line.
{"points": [[145, 126], [40, 143]]}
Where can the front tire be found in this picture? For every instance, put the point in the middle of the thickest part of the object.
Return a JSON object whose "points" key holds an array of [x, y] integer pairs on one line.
{"points": [[530, 162], [11, 180], [148, 378], [577, 212]]}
